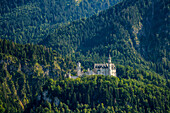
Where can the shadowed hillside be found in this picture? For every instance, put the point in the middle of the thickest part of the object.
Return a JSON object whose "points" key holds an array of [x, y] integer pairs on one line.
{"points": [[133, 31], [30, 21]]}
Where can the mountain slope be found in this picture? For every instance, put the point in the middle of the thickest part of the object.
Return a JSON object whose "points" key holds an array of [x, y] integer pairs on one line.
{"points": [[134, 31], [30, 21], [24, 69], [100, 94]]}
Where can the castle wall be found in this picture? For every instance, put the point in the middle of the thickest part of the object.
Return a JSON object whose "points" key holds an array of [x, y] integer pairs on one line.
{"points": [[99, 69]]}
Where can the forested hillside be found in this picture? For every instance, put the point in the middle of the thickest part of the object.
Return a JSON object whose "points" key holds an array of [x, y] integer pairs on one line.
{"points": [[33, 78], [29, 21], [105, 94], [133, 32], [23, 71]]}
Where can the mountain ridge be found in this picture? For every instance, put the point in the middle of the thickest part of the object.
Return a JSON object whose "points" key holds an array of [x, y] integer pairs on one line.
{"points": [[31, 21], [126, 23], [34, 77]]}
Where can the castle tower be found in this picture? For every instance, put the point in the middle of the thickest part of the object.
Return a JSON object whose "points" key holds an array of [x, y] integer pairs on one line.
{"points": [[78, 69], [109, 65], [114, 71], [109, 60]]}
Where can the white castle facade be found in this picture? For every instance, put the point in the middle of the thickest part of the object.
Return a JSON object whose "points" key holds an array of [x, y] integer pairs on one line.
{"points": [[99, 69]]}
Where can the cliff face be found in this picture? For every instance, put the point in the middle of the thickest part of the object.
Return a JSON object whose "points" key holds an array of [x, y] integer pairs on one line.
{"points": [[150, 34], [19, 81], [23, 71]]}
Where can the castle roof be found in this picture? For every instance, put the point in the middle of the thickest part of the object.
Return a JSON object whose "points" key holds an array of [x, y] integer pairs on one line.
{"points": [[104, 66], [100, 65]]}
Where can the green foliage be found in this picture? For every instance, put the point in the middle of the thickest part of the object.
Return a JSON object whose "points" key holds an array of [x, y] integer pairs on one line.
{"points": [[23, 70], [102, 94], [127, 31], [134, 32], [30, 21]]}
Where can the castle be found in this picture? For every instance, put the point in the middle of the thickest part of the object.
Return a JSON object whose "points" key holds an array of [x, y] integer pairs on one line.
{"points": [[99, 69]]}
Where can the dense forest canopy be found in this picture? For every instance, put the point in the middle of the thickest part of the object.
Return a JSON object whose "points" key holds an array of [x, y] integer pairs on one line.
{"points": [[132, 32], [34, 78], [104, 94], [23, 71], [30, 21]]}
